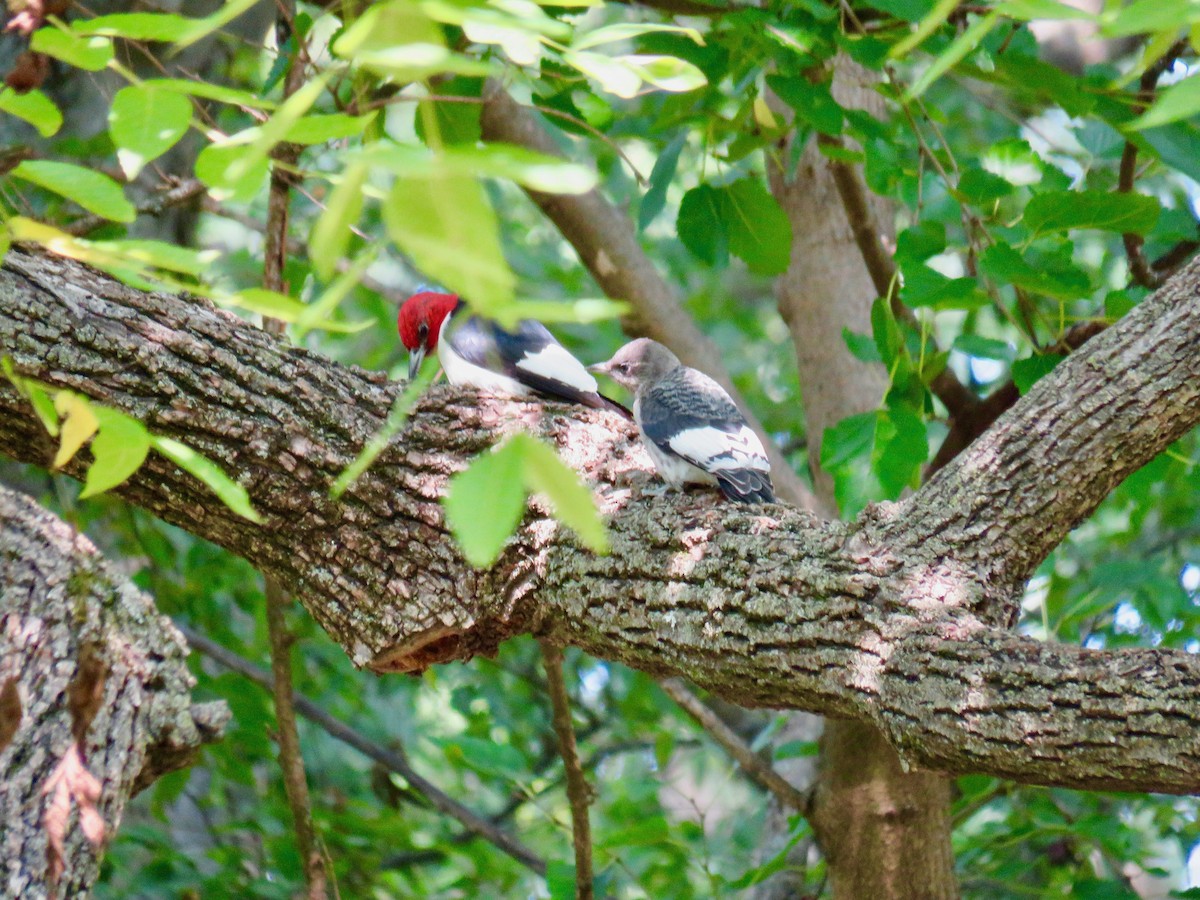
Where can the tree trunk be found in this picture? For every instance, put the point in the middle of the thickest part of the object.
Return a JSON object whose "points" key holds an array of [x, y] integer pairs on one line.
{"points": [[885, 831], [94, 702]]}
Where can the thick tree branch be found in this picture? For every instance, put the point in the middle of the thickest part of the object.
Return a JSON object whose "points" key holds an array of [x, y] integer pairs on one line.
{"points": [[94, 705], [897, 618], [607, 245]]}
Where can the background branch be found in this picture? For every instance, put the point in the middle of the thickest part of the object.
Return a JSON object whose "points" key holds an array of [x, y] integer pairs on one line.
{"points": [[579, 794], [392, 759], [756, 768]]}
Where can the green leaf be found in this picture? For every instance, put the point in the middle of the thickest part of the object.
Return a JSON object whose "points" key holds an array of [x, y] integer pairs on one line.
{"points": [[118, 450], [627, 30], [1148, 15], [655, 197], [861, 346], [34, 107], [667, 73], [759, 231], [331, 233], [1102, 210], [265, 302], [201, 28], [93, 191], [215, 164], [1059, 278], [90, 53], [160, 255], [700, 226], [528, 168], [813, 103], [924, 286], [905, 10], [484, 503], [216, 92], [560, 879], [258, 142], [228, 491], [979, 186], [456, 123], [145, 122], [901, 448], [928, 25], [572, 502], [318, 128], [1026, 372], [1030, 10], [948, 58], [446, 225], [161, 27], [1179, 101], [740, 217], [852, 437], [316, 313], [984, 347], [77, 424]]}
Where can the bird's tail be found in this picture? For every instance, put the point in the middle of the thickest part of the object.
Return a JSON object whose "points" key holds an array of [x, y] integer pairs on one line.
{"points": [[746, 485]]}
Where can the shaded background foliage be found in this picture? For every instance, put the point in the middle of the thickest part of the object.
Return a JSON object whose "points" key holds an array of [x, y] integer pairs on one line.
{"points": [[1006, 179]]}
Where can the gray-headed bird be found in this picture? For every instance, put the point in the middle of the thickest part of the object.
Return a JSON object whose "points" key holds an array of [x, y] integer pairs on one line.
{"points": [[691, 428]]}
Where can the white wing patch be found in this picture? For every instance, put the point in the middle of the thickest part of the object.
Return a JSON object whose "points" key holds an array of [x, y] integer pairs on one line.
{"points": [[714, 450], [554, 362]]}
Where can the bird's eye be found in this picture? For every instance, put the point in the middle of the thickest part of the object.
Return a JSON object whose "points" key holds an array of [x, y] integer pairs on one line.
{"points": [[422, 331]]}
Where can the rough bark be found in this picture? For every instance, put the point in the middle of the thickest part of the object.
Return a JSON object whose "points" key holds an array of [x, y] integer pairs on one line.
{"points": [[897, 618], [884, 830], [95, 702]]}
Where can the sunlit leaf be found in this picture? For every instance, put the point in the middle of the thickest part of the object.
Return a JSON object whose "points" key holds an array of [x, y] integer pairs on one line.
{"points": [[446, 225], [493, 482], [570, 499], [94, 191], [146, 26], [145, 122], [119, 448], [90, 53], [77, 424], [228, 491], [34, 107], [625, 31], [1179, 101], [331, 233]]}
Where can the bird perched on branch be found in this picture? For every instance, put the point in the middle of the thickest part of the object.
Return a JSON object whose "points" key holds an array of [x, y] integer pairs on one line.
{"points": [[689, 425], [476, 352]]}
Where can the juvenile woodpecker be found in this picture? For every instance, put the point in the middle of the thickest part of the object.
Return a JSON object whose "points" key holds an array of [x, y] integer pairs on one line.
{"points": [[689, 425], [476, 352]]}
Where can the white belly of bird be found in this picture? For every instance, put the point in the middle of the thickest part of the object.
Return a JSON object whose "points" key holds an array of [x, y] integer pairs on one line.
{"points": [[460, 371]]}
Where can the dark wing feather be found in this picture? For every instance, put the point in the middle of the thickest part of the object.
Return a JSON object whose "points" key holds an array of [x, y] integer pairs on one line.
{"points": [[688, 400]]}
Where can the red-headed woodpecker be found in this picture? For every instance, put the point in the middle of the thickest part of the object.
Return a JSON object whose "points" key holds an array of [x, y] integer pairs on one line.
{"points": [[689, 425], [476, 352]]}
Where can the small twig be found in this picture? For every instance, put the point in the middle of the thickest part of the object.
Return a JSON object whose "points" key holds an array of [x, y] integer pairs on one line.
{"points": [[750, 762], [393, 760], [578, 791], [154, 206], [1143, 273], [291, 761], [853, 193]]}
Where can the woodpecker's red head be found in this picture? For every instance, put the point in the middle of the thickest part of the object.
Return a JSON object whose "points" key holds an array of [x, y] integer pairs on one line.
{"points": [[420, 322]]}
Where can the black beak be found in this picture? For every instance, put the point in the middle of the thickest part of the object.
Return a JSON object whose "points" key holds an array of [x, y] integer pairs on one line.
{"points": [[415, 358]]}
